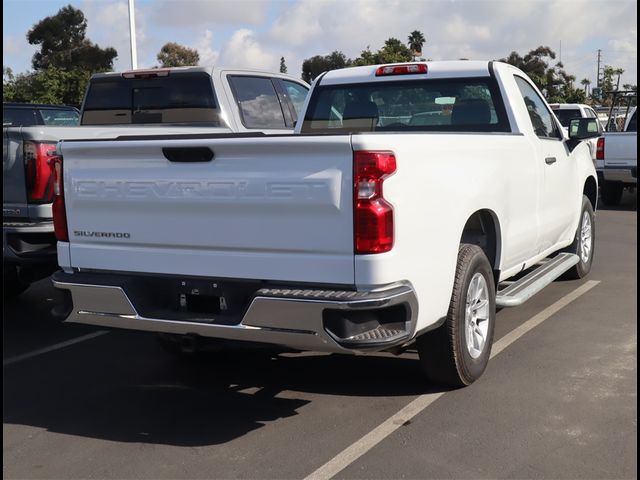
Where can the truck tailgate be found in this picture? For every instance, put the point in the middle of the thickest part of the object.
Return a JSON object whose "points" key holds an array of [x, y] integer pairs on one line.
{"points": [[621, 149], [270, 208]]}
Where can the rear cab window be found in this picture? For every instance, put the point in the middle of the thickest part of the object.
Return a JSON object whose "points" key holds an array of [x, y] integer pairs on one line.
{"points": [[59, 117], [633, 123], [440, 105], [185, 98]]}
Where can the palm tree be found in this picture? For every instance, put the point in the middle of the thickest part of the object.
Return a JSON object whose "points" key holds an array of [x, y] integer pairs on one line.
{"points": [[586, 82], [416, 41]]}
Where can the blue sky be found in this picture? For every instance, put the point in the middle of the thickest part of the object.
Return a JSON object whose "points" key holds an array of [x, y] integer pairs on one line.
{"points": [[256, 33]]}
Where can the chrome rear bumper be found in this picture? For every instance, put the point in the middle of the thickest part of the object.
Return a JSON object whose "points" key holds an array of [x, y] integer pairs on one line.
{"points": [[296, 318]]}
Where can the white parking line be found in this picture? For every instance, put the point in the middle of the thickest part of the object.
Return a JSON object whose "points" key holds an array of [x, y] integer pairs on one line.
{"points": [[386, 428], [52, 348]]}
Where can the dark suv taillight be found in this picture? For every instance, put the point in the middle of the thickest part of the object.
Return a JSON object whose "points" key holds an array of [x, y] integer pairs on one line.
{"points": [[372, 214], [38, 171]]}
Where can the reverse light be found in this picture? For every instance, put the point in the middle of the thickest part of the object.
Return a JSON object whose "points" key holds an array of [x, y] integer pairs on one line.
{"points": [[404, 69], [373, 215], [600, 149], [58, 207]]}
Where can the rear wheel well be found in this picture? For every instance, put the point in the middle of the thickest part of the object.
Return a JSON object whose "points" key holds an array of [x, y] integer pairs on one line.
{"points": [[482, 229], [591, 191]]}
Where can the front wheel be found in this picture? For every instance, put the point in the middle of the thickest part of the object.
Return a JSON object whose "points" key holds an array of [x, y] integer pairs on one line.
{"points": [[583, 243], [457, 353]]}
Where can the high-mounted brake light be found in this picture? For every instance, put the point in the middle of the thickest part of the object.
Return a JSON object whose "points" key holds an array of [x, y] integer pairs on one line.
{"points": [[373, 215], [404, 69], [600, 149], [37, 157], [156, 72], [58, 207]]}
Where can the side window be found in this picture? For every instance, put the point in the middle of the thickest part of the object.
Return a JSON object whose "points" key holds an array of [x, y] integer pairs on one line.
{"points": [[297, 93], [540, 116], [258, 102]]}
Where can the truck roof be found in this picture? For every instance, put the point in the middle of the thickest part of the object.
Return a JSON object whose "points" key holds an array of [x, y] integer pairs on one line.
{"points": [[206, 69], [438, 69], [568, 106]]}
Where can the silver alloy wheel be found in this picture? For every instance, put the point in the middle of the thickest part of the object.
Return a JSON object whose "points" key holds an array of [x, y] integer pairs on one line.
{"points": [[476, 317], [586, 240]]}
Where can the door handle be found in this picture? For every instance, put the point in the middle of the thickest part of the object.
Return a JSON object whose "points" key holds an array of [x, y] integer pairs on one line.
{"points": [[550, 160], [188, 154]]}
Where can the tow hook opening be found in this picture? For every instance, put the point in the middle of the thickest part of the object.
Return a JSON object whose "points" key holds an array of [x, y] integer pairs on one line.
{"points": [[367, 326]]}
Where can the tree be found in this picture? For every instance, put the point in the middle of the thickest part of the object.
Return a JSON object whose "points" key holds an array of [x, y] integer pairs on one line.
{"points": [[585, 82], [554, 82], [283, 66], [63, 44], [175, 55], [314, 66], [416, 41]]}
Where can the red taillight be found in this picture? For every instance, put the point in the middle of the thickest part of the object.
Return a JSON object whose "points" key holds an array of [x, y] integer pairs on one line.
{"points": [[600, 149], [405, 69], [58, 207], [38, 171], [373, 215]]}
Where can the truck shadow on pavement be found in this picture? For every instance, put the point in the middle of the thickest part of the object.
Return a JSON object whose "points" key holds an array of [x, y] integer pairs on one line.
{"points": [[123, 388]]}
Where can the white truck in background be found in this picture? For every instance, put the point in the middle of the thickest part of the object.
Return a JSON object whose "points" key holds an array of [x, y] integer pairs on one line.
{"points": [[188, 100], [565, 112], [618, 151], [412, 200]]}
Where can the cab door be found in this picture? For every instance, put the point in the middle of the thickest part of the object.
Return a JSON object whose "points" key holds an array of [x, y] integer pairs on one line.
{"points": [[558, 196]]}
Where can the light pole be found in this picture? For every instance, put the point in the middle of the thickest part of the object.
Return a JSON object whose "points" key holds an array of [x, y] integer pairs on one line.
{"points": [[132, 35]]}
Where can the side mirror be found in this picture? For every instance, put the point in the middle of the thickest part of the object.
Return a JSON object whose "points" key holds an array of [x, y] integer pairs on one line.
{"points": [[583, 128]]}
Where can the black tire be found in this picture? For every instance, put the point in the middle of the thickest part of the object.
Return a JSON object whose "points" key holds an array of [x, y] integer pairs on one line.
{"points": [[582, 268], [12, 282], [611, 193], [444, 355]]}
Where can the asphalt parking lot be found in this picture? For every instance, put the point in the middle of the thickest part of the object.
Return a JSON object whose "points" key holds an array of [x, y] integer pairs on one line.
{"points": [[558, 401]]}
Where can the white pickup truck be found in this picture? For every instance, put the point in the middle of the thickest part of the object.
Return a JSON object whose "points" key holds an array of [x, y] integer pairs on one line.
{"points": [[396, 213], [618, 151]]}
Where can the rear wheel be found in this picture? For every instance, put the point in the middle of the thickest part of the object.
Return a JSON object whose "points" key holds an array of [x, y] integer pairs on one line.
{"points": [[13, 283], [457, 353], [611, 193]]}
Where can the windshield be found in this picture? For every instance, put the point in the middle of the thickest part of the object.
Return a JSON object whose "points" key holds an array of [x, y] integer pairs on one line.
{"points": [[460, 105], [185, 98], [565, 115]]}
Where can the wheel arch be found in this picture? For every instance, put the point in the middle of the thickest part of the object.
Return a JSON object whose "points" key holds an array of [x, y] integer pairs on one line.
{"points": [[482, 228], [590, 189]]}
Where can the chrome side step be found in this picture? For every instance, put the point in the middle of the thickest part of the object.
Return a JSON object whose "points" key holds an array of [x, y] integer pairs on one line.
{"points": [[516, 293]]}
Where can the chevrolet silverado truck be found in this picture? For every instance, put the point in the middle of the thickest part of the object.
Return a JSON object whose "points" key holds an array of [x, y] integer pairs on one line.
{"points": [[618, 152], [411, 201], [158, 101]]}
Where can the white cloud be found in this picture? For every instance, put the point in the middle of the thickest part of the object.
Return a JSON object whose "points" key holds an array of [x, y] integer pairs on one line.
{"points": [[245, 50], [190, 13], [204, 46]]}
